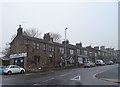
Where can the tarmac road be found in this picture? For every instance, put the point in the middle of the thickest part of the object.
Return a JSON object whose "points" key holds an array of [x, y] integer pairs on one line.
{"points": [[77, 76]]}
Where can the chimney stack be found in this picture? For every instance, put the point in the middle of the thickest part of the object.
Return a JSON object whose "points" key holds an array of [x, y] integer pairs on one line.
{"points": [[79, 44], [47, 37], [97, 47], [102, 48], [67, 42], [19, 30]]}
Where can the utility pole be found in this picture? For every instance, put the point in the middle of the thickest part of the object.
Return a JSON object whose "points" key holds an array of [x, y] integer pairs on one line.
{"points": [[65, 49]]}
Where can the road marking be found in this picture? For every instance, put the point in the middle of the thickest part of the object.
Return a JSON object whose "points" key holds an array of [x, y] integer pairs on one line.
{"points": [[48, 80], [77, 78], [112, 80], [105, 79], [35, 84], [65, 74], [94, 75], [28, 74]]}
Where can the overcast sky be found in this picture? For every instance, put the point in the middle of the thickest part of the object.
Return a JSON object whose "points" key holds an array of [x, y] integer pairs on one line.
{"points": [[92, 23]]}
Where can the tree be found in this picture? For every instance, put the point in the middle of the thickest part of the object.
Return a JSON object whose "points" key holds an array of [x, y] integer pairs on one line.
{"points": [[56, 36], [6, 51], [32, 33]]}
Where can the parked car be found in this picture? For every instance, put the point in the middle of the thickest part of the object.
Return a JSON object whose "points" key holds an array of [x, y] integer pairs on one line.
{"points": [[117, 61], [2, 69], [89, 64], [13, 69], [92, 64], [109, 62], [100, 62]]}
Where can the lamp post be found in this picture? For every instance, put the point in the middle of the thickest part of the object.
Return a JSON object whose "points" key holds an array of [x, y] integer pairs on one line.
{"points": [[65, 49]]}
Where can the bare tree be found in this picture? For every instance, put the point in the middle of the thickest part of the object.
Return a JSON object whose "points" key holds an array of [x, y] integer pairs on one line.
{"points": [[6, 50], [56, 36], [32, 33], [13, 36]]}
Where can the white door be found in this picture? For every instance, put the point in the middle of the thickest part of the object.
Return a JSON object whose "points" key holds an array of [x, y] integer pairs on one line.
{"points": [[16, 69], [13, 70]]}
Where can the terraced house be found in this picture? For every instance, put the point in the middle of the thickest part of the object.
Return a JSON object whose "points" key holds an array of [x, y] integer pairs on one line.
{"points": [[30, 52], [33, 53]]}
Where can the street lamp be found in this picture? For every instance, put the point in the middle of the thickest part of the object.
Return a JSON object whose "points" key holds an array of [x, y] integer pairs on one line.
{"points": [[65, 48]]}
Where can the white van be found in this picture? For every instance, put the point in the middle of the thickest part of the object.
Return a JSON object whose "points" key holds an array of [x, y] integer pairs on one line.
{"points": [[100, 62]]}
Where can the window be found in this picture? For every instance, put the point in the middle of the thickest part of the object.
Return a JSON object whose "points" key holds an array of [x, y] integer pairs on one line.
{"points": [[71, 51], [99, 53], [103, 54], [12, 67], [78, 51], [61, 50], [44, 46], [50, 59], [90, 53], [109, 55], [95, 54], [38, 46], [50, 48], [34, 45], [85, 52], [37, 59]]}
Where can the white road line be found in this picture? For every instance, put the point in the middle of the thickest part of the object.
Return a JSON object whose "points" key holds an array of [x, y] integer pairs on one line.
{"points": [[35, 84], [77, 78], [48, 80], [28, 74], [65, 74], [5, 79]]}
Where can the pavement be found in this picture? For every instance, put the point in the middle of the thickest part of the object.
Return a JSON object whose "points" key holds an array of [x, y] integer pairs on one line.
{"points": [[76, 77]]}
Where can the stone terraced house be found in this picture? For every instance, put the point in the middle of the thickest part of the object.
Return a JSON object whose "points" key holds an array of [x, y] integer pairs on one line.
{"points": [[33, 53]]}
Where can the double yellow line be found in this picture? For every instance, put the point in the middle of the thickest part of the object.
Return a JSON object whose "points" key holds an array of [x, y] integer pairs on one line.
{"points": [[115, 81]]}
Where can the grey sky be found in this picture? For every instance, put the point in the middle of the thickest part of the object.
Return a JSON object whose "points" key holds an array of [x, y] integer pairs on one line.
{"points": [[92, 23]]}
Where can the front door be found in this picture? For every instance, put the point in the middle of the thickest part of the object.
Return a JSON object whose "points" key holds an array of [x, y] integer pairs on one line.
{"points": [[19, 62]]}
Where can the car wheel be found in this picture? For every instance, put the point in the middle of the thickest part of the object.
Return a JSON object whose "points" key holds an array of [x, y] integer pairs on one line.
{"points": [[22, 71], [9, 72]]}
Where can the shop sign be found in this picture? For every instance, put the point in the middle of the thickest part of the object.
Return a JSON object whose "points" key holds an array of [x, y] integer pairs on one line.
{"points": [[18, 55]]}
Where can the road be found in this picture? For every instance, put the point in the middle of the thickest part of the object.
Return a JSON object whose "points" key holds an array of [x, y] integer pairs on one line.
{"points": [[77, 76]]}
